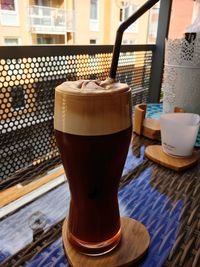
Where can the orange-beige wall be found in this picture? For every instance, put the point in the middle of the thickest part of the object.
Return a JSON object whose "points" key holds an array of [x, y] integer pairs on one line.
{"points": [[180, 18], [82, 21], [109, 15], [83, 34]]}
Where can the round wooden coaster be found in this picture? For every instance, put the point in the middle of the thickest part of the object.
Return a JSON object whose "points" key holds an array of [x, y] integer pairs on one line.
{"points": [[133, 246], [156, 154]]}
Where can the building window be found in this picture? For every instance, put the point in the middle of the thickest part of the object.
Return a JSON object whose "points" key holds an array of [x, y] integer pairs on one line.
{"points": [[8, 13], [45, 40], [7, 4], [126, 13], [17, 94], [121, 14], [43, 3], [134, 41], [93, 41], [49, 39], [153, 25], [126, 41], [94, 9], [11, 41]]}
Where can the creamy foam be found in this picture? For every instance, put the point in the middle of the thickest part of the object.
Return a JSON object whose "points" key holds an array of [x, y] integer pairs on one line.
{"points": [[89, 87], [88, 107]]}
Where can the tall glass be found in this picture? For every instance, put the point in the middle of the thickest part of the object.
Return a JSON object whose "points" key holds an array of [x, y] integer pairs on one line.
{"points": [[93, 129]]}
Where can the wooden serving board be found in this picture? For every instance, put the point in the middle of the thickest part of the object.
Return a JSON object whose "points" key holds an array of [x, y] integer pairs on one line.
{"points": [[133, 246], [155, 153]]}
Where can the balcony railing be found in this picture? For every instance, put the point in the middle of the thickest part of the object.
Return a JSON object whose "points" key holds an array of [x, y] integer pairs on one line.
{"points": [[28, 76], [48, 20]]}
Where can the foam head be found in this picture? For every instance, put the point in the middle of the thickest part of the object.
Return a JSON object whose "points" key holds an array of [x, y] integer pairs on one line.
{"points": [[92, 107]]}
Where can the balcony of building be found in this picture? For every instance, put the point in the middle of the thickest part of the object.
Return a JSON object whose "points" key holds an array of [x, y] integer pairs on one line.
{"points": [[50, 20]]}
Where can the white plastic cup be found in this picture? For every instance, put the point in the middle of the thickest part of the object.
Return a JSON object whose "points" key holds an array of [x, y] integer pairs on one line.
{"points": [[178, 133]]}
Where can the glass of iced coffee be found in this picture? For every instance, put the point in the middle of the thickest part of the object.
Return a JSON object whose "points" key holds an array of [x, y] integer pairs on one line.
{"points": [[93, 129]]}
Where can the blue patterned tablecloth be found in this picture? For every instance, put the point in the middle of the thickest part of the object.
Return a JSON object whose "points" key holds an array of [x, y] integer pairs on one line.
{"points": [[155, 110]]}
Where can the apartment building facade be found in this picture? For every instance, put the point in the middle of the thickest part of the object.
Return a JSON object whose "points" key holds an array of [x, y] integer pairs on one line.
{"points": [[27, 22], [102, 18]]}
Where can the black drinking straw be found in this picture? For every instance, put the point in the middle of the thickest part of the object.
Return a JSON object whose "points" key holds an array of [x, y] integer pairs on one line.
{"points": [[120, 31]]}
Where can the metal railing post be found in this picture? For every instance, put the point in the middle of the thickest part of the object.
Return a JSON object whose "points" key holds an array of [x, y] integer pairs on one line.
{"points": [[158, 55]]}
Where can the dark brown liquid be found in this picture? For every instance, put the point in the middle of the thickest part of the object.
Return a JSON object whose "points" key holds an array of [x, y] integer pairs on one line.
{"points": [[93, 165]]}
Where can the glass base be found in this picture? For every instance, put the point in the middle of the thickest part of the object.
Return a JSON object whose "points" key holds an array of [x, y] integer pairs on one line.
{"points": [[94, 249]]}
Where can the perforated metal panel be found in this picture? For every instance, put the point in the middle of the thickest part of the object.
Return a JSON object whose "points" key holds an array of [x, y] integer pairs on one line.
{"points": [[28, 77]]}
